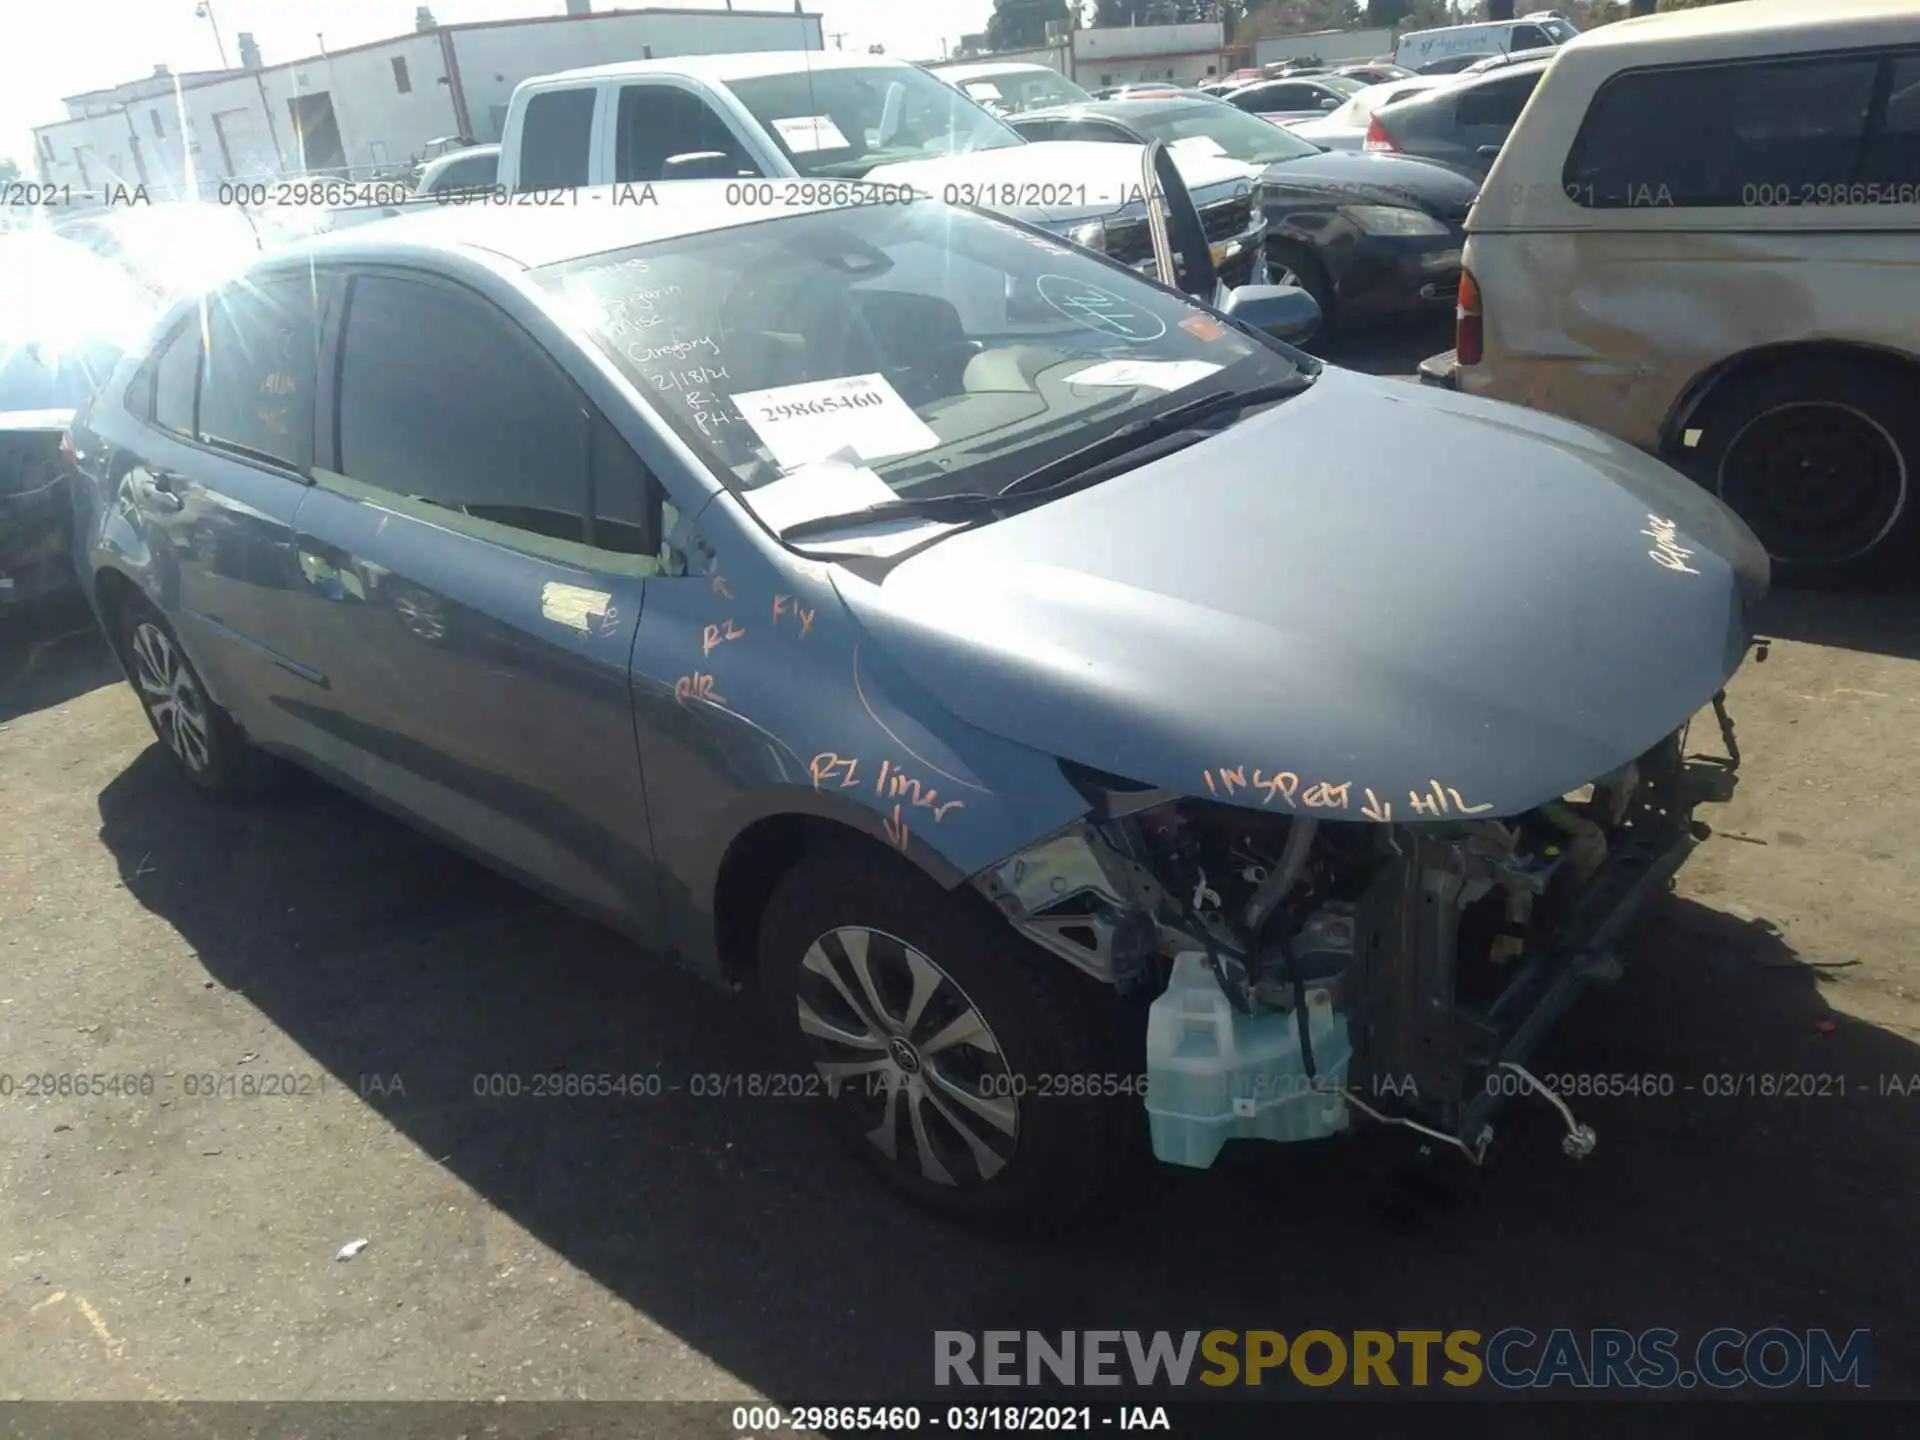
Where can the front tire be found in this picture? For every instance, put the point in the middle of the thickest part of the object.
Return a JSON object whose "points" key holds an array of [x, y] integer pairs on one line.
{"points": [[1293, 264], [1821, 458], [947, 1044], [205, 746]]}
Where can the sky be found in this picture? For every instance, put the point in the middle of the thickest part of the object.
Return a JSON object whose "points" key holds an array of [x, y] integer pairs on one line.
{"points": [[76, 45]]}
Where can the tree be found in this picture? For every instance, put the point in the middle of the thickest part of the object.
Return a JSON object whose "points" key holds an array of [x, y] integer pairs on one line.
{"points": [[1022, 24], [1298, 17], [1387, 12]]}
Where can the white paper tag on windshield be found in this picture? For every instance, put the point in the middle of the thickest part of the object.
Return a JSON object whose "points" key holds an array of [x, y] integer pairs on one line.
{"points": [[828, 486], [804, 134], [1153, 374], [804, 423], [982, 90], [1199, 145]]}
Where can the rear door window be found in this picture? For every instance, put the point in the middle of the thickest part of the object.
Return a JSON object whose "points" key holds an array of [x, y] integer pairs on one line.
{"points": [[1776, 132], [177, 379], [556, 136], [256, 391], [1495, 104]]}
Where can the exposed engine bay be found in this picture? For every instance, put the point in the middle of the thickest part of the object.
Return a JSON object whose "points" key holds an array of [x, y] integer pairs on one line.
{"points": [[1426, 958]]}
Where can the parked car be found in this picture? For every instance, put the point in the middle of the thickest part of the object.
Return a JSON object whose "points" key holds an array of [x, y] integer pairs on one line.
{"points": [[1346, 128], [1457, 64], [1368, 236], [1463, 124], [876, 607], [66, 316], [809, 116], [473, 170], [1742, 304], [1374, 72], [1501, 61], [1301, 99], [170, 247], [1008, 87], [1420, 49]]}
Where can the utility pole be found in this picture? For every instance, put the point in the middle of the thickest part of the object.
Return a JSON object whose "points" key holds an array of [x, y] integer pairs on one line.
{"points": [[836, 36], [205, 11]]}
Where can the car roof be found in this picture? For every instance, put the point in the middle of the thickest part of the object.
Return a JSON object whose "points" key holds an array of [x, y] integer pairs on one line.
{"points": [[596, 220], [744, 65], [981, 69], [1755, 18], [1118, 108]]}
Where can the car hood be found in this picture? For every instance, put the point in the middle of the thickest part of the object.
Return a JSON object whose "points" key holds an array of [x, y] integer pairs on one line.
{"points": [[1386, 591], [1075, 179], [1368, 179]]}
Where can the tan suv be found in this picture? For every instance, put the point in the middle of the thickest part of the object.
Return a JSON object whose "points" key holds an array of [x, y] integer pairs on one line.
{"points": [[1703, 237]]}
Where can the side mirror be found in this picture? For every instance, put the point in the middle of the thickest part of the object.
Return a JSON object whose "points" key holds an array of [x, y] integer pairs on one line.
{"points": [[698, 165], [1329, 104], [1487, 152], [1285, 312]]}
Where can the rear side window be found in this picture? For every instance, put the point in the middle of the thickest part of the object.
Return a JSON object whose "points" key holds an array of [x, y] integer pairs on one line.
{"points": [[1776, 132], [256, 392], [1496, 102], [555, 140], [176, 373]]}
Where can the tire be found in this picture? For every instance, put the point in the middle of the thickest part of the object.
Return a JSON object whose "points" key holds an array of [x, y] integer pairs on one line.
{"points": [[1288, 259], [200, 739], [1821, 458], [1035, 1161]]}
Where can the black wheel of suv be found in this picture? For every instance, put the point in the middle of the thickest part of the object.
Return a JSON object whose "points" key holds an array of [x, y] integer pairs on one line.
{"points": [[948, 1046], [203, 743], [1821, 458]]}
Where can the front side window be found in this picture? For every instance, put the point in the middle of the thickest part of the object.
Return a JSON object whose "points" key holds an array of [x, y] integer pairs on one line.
{"points": [[659, 122], [556, 137], [444, 402], [1774, 132], [256, 387], [945, 350], [844, 122]]}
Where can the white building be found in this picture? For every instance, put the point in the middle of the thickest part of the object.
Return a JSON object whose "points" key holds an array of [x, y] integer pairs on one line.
{"points": [[367, 109], [1122, 55]]}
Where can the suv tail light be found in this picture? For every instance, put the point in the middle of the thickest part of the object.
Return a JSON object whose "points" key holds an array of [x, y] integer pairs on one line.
{"points": [[1468, 340], [1377, 137], [67, 452]]}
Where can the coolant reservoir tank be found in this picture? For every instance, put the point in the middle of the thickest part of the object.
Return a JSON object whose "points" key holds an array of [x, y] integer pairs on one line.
{"points": [[1215, 1075]]}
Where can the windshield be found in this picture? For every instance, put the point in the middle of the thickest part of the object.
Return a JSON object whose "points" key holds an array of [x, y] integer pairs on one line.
{"points": [[1560, 31], [1221, 130], [844, 122], [1010, 92], [65, 318], [949, 350], [172, 248], [1346, 84]]}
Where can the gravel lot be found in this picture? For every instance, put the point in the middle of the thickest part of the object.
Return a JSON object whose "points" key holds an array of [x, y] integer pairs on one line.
{"points": [[181, 1245]]}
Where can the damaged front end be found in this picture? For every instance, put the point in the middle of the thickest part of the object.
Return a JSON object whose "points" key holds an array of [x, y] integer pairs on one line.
{"points": [[1309, 972]]}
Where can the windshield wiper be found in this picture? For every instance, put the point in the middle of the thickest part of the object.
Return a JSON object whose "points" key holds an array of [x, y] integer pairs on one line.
{"points": [[1126, 447], [1130, 436]]}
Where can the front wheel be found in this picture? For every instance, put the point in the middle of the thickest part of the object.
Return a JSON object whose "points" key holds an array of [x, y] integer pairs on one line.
{"points": [[1820, 458], [971, 1070]]}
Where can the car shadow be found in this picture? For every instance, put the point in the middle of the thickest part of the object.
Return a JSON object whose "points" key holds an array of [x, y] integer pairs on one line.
{"points": [[736, 1224], [50, 652], [1881, 620]]}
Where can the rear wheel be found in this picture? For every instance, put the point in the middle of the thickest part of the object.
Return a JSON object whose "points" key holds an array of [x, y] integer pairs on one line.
{"points": [[201, 740], [948, 1048], [1820, 458]]}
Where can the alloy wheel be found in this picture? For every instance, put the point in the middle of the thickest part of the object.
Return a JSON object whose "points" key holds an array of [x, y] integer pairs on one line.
{"points": [[174, 700], [1820, 483], [895, 1036]]}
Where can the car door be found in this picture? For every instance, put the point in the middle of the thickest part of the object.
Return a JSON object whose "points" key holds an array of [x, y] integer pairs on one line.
{"points": [[218, 473], [477, 542], [664, 131]]}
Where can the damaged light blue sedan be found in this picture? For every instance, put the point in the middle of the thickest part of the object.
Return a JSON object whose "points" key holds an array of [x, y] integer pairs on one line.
{"points": [[1068, 708]]}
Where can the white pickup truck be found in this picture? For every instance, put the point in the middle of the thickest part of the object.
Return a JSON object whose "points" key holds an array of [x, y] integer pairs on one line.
{"points": [[794, 118]]}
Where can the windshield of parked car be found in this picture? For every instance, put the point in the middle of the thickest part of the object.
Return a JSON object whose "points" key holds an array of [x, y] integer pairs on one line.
{"points": [[844, 122], [1009, 92], [172, 248], [948, 350], [1560, 31], [1217, 129], [65, 318]]}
